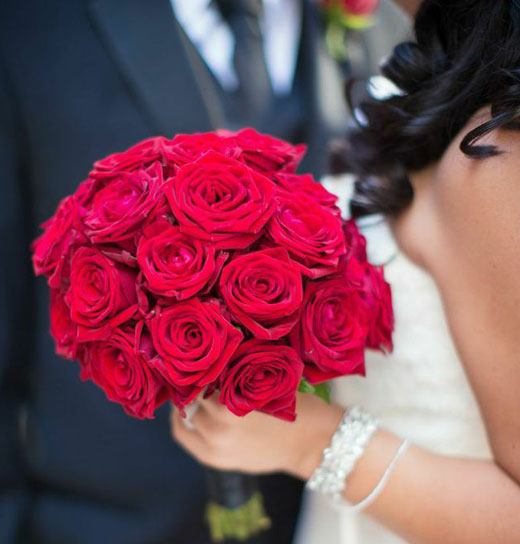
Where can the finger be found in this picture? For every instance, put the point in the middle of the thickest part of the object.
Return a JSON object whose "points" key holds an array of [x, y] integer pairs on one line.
{"points": [[201, 419], [179, 421], [198, 415], [218, 412], [189, 413], [190, 439]]}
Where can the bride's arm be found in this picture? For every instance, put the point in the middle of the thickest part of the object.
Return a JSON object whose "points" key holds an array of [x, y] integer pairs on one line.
{"points": [[473, 210], [428, 499], [474, 214]]}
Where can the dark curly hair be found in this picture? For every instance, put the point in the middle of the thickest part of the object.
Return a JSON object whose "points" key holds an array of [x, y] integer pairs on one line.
{"points": [[466, 55]]}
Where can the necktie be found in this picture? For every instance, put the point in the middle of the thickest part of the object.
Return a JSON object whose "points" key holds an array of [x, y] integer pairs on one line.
{"points": [[255, 93]]}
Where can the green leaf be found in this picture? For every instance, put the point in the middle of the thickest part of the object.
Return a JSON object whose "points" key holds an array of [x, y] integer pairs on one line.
{"points": [[305, 386], [322, 390]]}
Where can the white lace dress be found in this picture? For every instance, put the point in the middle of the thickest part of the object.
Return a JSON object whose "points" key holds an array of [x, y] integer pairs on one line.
{"points": [[419, 392]]}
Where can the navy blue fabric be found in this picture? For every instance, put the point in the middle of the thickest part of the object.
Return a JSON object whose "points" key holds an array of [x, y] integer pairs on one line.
{"points": [[79, 80]]}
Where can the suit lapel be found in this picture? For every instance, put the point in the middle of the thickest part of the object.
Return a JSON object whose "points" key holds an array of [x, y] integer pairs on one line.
{"points": [[162, 68]]}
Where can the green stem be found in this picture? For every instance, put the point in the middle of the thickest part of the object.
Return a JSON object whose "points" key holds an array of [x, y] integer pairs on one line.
{"points": [[335, 39]]}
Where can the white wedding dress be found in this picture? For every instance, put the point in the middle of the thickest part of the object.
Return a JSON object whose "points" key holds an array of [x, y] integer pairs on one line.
{"points": [[420, 391]]}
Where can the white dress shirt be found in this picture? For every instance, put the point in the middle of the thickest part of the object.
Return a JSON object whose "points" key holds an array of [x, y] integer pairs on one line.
{"points": [[211, 35]]}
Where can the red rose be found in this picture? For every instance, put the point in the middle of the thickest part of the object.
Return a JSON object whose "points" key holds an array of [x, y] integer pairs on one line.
{"points": [[194, 341], [102, 293], [182, 395], [378, 297], [262, 376], [120, 366], [361, 7], [116, 208], [310, 232], [137, 157], [220, 199], [63, 329], [263, 290], [51, 249], [306, 184], [189, 147], [356, 242], [265, 153], [332, 331], [175, 264], [370, 282], [355, 7]]}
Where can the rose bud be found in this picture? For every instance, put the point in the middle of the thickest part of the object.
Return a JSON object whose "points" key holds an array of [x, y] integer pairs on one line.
{"points": [[219, 199], [263, 291], [262, 376]]}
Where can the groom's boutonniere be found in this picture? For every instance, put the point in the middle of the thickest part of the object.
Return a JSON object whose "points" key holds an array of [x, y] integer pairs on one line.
{"points": [[342, 16]]}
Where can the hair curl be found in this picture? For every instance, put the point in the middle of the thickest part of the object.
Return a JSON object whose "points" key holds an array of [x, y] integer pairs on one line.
{"points": [[466, 55]]}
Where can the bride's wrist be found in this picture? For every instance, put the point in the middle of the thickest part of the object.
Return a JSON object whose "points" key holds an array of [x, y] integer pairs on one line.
{"points": [[316, 437], [359, 452]]}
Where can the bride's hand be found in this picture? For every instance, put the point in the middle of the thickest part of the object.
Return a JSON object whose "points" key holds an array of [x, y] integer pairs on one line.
{"points": [[259, 443]]}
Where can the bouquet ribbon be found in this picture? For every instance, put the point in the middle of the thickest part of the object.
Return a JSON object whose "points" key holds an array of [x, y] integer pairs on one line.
{"points": [[235, 509]]}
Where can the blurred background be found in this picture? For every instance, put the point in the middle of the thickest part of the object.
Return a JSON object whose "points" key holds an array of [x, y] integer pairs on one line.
{"points": [[82, 79]]}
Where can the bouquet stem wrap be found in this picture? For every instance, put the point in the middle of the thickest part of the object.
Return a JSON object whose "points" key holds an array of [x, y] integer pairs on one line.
{"points": [[235, 509]]}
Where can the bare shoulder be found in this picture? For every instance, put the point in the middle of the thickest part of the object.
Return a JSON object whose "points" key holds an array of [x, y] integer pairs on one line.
{"points": [[463, 206], [472, 217], [475, 214]]}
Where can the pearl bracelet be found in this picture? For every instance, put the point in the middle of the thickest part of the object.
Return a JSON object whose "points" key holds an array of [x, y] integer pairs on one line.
{"points": [[347, 446]]}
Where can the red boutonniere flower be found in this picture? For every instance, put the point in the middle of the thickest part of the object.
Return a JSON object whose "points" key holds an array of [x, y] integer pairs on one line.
{"points": [[344, 15]]}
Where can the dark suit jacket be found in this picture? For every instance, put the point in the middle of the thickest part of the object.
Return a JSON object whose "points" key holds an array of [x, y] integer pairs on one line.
{"points": [[80, 79]]}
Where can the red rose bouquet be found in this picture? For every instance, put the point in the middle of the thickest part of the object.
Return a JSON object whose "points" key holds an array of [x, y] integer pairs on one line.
{"points": [[204, 263]]}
